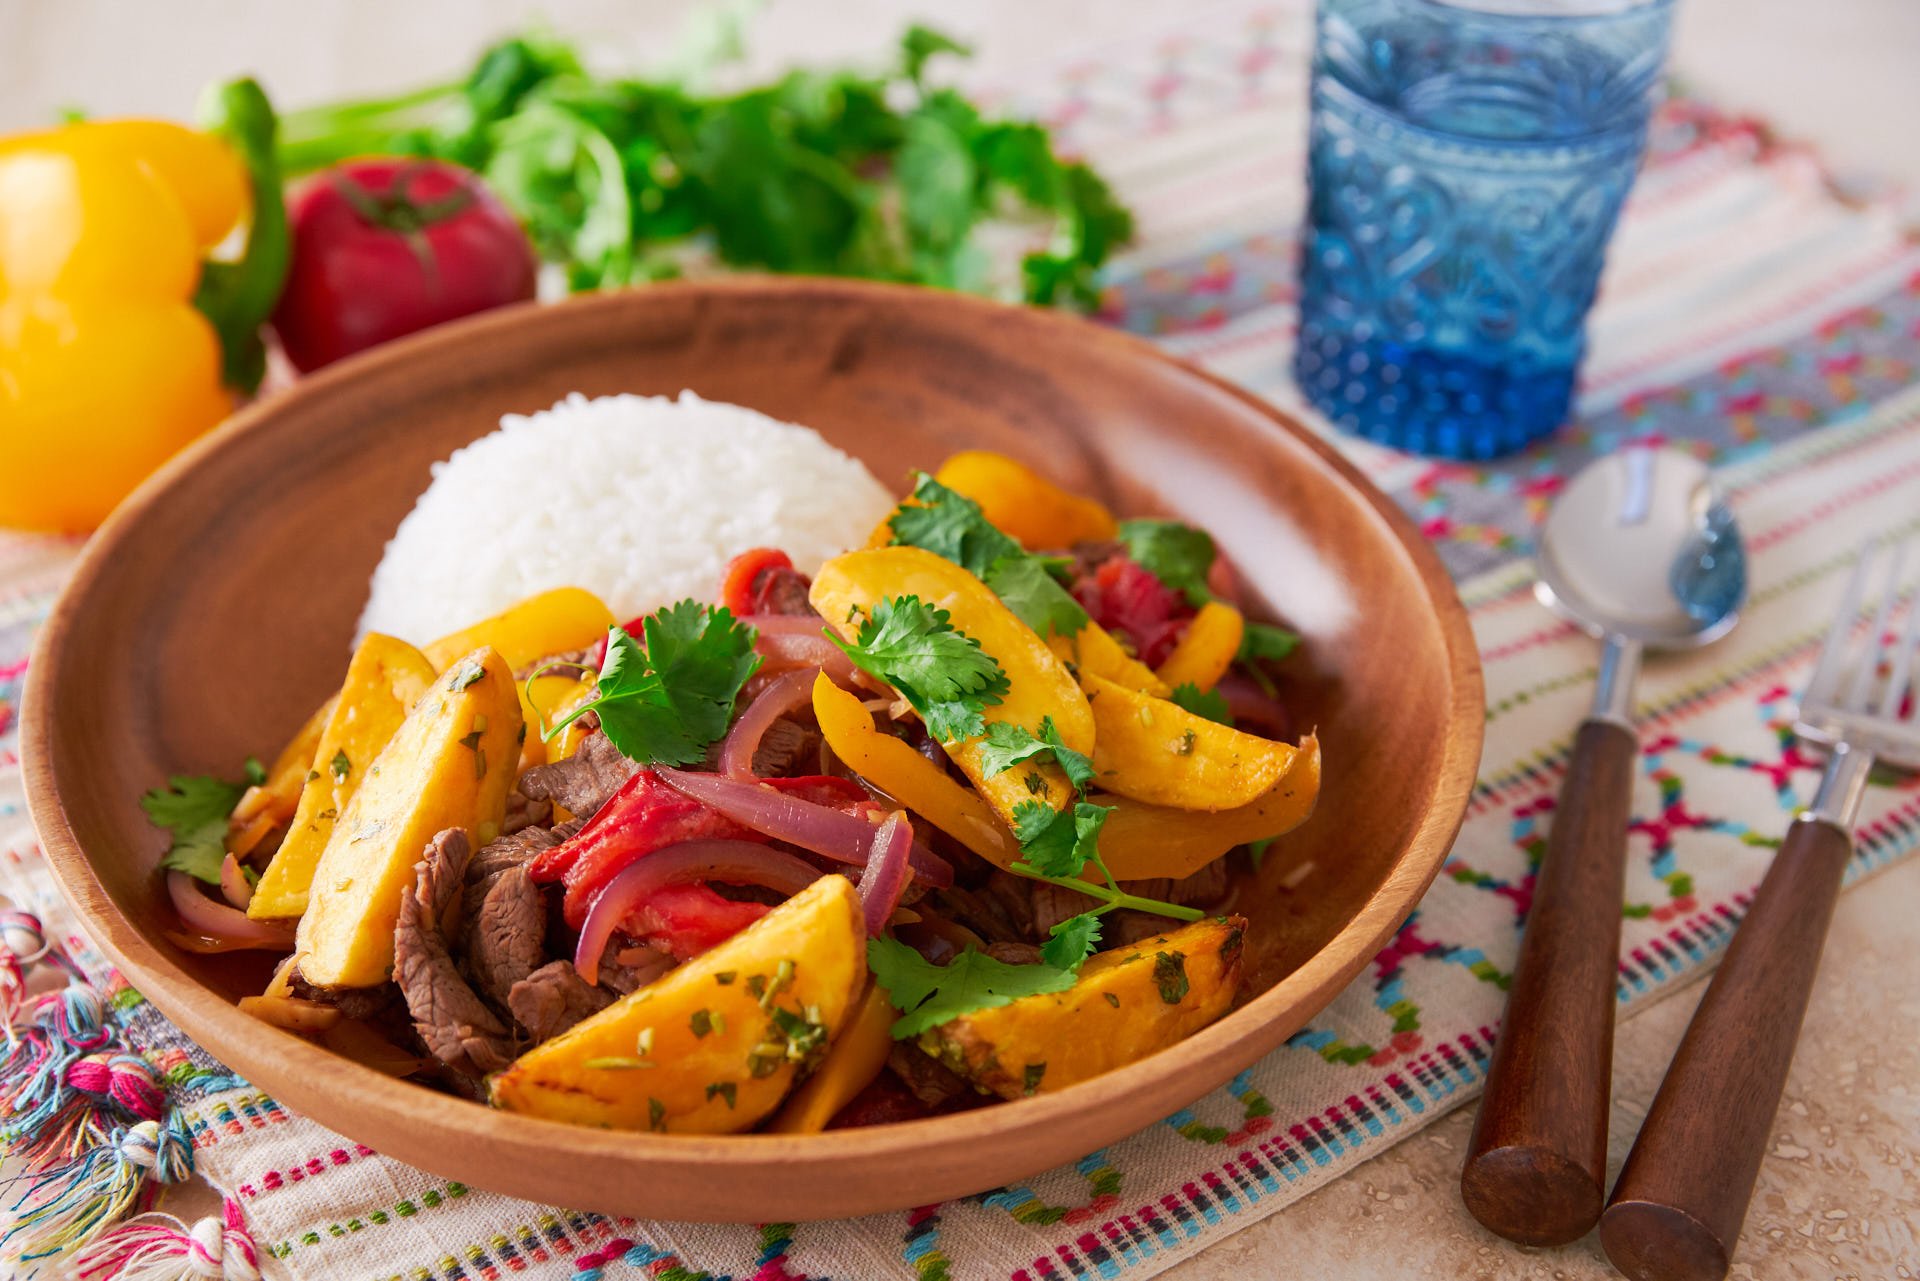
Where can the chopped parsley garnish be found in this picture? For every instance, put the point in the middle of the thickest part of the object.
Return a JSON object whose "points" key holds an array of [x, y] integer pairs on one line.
{"points": [[1209, 703], [668, 702], [1031, 1076], [1181, 556], [1007, 745], [656, 1116], [724, 977], [702, 1022], [1112, 999], [1170, 975], [342, 767], [950, 524], [928, 995], [1059, 843], [725, 1089], [194, 808], [941, 672]]}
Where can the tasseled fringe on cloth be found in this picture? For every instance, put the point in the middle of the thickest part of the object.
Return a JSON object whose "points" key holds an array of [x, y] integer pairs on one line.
{"points": [[159, 1247], [86, 1117]]}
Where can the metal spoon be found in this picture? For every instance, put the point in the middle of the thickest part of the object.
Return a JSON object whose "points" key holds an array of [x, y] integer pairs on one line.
{"points": [[1639, 552]]}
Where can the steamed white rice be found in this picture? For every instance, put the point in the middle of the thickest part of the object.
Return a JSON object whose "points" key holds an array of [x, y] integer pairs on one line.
{"points": [[641, 500]]}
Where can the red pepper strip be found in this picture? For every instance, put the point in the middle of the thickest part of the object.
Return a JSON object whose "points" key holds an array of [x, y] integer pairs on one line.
{"points": [[737, 588], [689, 919], [1123, 596]]}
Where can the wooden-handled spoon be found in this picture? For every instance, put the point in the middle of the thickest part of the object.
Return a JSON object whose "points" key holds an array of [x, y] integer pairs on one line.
{"points": [[1637, 552]]}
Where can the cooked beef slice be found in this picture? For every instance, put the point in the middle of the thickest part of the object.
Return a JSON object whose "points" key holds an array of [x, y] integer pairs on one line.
{"points": [[980, 912], [453, 1022], [1197, 890], [510, 851], [584, 781], [1014, 953], [523, 813], [787, 744], [506, 934], [553, 998], [781, 590], [368, 1003], [932, 1082]]}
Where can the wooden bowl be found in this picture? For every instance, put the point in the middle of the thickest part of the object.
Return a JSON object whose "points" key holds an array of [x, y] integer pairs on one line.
{"points": [[215, 609]]}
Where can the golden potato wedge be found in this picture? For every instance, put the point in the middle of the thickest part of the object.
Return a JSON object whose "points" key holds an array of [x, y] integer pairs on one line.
{"points": [[1094, 649], [858, 1055], [1159, 752], [713, 1046], [1027, 506], [556, 622], [1126, 1004], [1039, 685], [266, 806], [1141, 841], [384, 680], [1206, 649], [449, 764]]}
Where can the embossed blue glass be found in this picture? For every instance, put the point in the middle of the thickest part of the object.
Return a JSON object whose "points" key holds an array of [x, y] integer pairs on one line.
{"points": [[1466, 168]]}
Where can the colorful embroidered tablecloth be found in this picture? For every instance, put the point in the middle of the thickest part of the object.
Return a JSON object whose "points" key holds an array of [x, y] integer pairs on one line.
{"points": [[1749, 314]]}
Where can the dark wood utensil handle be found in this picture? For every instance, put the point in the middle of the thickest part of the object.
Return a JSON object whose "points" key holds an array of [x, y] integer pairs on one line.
{"points": [[1677, 1209], [1537, 1167]]}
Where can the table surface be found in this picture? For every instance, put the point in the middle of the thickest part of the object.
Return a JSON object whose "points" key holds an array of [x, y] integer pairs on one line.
{"points": [[1836, 1193]]}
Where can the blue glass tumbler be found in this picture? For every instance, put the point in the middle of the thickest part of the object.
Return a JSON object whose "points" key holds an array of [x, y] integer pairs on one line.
{"points": [[1466, 167]]}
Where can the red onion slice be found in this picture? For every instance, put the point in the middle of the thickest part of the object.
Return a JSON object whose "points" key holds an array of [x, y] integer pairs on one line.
{"points": [[784, 624], [218, 923], [234, 886], [831, 833], [887, 871], [786, 652], [1253, 709], [733, 862], [786, 692]]}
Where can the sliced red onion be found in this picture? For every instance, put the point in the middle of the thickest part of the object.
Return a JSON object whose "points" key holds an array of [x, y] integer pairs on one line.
{"points": [[887, 871], [785, 624], [217, 923], [785, 652], [831, 833], [234, 886], [732, 862], [1254, 710], [786, 692]]}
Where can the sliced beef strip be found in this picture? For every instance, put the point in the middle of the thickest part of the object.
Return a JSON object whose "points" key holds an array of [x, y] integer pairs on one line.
{"points": [[931, 1081], [508, 852], [553, 998], [1197, 890], [506, 935], [369, 1003], [980, 912], [781, 590], [1014, 953], [523, 813], [453, 1022], [584, 781], [787, 747]]}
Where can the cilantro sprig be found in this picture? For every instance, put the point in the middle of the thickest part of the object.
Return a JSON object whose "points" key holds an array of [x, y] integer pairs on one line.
{"points": [[1181, 556], [668, 702], [1008, 744], [928, 995], [941, 671], [950, 524], [194, 808]]}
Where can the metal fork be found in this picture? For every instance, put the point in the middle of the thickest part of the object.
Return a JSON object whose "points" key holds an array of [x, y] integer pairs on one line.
{"points": [[1677, 1208]]}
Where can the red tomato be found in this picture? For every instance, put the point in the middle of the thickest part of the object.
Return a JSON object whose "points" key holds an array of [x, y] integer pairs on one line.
{"points": [[389, 245]]}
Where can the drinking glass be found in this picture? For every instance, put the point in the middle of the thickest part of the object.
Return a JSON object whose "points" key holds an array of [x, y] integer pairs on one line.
{"points": [[1467, 162]]}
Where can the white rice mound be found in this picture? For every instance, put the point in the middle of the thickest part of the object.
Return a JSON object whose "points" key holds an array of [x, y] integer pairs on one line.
{"points": [[641, 500]]}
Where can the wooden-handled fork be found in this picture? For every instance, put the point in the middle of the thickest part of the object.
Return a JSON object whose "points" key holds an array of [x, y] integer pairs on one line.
{"points": [[1677, 1208]]}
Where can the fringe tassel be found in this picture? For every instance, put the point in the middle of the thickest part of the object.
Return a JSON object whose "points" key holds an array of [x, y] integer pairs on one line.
{"points": [[159, 1247], [79, 1111]]}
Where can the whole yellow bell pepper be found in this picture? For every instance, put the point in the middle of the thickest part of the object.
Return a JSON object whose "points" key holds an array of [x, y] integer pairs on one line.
{"points": [[118, 343]]}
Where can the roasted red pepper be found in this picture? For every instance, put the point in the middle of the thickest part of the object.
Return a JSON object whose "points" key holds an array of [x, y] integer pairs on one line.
{"points": [[689, 919], [1125, 597]]}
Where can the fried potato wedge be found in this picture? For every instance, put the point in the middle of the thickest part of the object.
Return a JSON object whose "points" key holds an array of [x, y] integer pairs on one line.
{"points": [[713, 1046], [1142, 840], [1127, 1003], [384, 680], [1161, 753], [449, 764], [1026, 505]]}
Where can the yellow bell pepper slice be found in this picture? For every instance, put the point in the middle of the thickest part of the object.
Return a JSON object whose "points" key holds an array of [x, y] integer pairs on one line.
{"points": [[889, 764], [1094, 649], [1207, 649], [1033, 510], [857, 1056], [1156, 751], [1039, 684], [551, 622], [1141, 841]]}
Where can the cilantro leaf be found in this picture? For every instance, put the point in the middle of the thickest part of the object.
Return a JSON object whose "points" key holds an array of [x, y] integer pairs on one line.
{"points": [[1209, 703], [1008, 744], [919, 43], [667, 703], [1059, 843], [194, 808], [928, 995], [1071, 941], [1176, 554], [1265, 641], [951, 525], [1035, 596], [941, 671]]}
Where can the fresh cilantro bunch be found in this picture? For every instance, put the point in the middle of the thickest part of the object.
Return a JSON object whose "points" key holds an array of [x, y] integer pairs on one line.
{"points": [[668, 702], [941, 672], [1181, 557], [951, 525], [618, 180], [194, 808]]}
